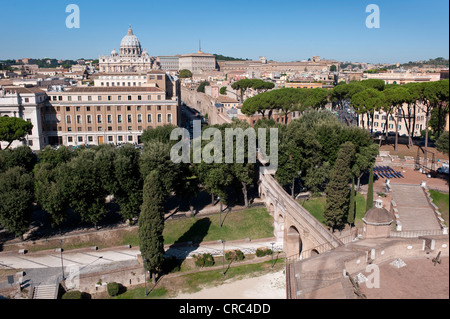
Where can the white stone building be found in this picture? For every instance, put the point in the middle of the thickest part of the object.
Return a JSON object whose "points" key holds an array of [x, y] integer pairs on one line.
{"points": [[197, 62], [130, 58], [25, 103]]}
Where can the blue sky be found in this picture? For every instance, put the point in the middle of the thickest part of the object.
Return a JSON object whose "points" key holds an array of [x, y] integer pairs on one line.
{"points": [[283, 30]]}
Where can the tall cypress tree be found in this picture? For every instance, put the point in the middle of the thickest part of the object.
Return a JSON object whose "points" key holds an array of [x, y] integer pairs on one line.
{"points": [[352, 206], [151, 224], [369, 202], [337, 189]]}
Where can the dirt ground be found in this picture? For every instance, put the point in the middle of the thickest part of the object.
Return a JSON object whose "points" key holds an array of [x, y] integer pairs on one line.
{"points": [[403, 150], [419, 279], [270, 286]]}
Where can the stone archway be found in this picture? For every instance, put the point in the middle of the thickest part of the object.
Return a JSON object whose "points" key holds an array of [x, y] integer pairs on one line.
{"points": [[293, 242], [271, 207]]}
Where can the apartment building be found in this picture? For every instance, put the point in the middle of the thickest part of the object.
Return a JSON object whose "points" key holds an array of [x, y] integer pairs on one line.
{"points": [[114, 115], [416, 124]]}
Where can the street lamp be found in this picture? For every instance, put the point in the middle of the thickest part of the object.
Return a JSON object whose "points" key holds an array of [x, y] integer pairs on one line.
{"points": [[272, 243], [223, 256], [220, 212], [62, 265]]}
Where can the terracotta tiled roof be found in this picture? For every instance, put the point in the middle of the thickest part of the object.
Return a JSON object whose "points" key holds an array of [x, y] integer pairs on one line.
{"points": [[22, 90], [378, 216], [226, 99]]}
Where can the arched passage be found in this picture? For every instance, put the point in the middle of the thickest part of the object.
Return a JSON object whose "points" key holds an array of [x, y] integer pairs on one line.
{"points": [[293, 242], [271, 209]]}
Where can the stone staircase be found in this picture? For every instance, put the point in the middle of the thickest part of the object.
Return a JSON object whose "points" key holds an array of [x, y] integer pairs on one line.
{"points": [[413, 208], [44, 292]]}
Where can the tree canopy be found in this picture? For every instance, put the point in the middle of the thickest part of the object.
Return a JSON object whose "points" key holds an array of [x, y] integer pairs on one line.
{"points": [[13, 129], [185, 73]]}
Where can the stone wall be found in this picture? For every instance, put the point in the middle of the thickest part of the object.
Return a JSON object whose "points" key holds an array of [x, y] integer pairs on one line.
{"points": [[96, 282], [355, 257], [392, 249]]}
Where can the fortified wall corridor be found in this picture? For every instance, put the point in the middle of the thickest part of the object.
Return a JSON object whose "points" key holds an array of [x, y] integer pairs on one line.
{"points": [[300, 232]]}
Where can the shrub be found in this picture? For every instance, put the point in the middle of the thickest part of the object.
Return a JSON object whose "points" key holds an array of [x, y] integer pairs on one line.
{"points": [[204, 260], [261, 252], [239, 255], [113, 288], [75, 294], [234, 255], [230, 255]]}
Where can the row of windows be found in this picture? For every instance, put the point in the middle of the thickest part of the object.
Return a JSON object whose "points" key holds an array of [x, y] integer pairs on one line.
{"points": [[122, 77], [391, 118], [109, 118], [100, 129], [90, 139], [108, 108], [118, 84], [108, 98], [391, 126]]}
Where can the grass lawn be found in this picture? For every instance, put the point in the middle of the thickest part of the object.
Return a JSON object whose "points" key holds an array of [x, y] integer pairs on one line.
{"points": [[441, 200], [316, 206], [193, 282], [252, 223]]}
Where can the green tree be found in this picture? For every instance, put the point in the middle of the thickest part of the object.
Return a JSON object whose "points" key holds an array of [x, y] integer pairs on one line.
{"points": [[156, 157], [366, 103], [16, 200], [87, 193], [52, 190], [242, 85], [333, 68], [13, 129], [151, 223], [352, 205], [104, 158], [159, 134], [201, 87], [261, 86], [433, 95], [61, 155], [21, 156], [337, 190], [185, 73], [369, 201], [129, 183], [396, 96], [442, 143], [223, 90]]}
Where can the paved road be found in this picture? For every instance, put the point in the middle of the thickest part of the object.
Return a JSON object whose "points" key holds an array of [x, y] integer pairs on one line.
{"points": [[45, 266]]}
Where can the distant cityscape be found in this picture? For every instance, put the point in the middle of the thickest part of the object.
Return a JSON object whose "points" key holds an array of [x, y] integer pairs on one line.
{"points": [[59, 95], [92, 203]]}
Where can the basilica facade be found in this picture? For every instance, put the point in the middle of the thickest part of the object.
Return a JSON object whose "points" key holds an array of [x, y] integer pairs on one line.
{"points": [[130, 58]]}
